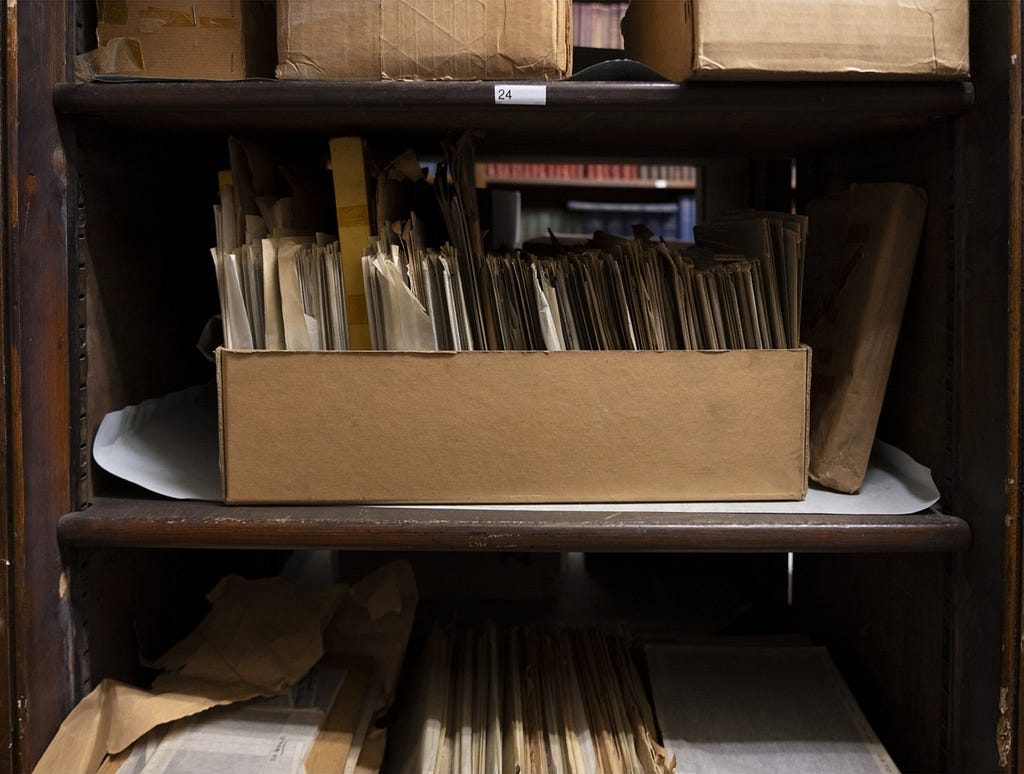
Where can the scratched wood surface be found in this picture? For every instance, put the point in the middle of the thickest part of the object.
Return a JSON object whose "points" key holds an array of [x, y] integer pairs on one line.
{"points": [[1011, 722], [170, 523], [7, 726], [35, 276], [982, 339]]}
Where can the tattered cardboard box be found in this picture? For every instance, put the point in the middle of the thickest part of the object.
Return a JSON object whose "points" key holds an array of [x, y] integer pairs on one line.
{"points": [[424, 39], [513, 427], [797, 39], [203, 39]]}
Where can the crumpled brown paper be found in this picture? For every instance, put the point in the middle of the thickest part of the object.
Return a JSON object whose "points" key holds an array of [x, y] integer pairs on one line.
{"points": [[121, 56], [260, 637], [375, 620]]}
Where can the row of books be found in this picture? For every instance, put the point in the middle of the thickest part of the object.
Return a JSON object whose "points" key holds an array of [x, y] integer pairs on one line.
{"points": [[677, 173], [669, 220], [597, 25]]}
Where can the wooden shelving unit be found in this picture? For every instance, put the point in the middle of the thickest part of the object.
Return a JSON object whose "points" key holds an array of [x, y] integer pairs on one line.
{"points": [[655, 117], [916, 609]]}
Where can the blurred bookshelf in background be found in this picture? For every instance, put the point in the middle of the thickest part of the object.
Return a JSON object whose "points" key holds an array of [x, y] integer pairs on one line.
{"points": [[596, 24], [670, 220], [677, 176], [529, 199]]}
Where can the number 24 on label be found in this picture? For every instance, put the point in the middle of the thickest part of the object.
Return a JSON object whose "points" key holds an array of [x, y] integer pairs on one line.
{"points": [[520, 94]]}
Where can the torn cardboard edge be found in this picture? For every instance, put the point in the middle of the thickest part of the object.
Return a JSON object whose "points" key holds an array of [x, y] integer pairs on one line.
{"points": [[258, 638], [336, 738], [119, 55], [239, 651], [189, 39]]}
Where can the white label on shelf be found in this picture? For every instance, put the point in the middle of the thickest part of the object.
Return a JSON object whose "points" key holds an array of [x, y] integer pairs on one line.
{"points": [[520, 94]]}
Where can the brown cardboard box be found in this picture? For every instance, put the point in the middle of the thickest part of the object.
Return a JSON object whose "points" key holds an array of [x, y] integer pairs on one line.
{"points": [[211, 39], [797, 39], [424, 39], [513, 427]]}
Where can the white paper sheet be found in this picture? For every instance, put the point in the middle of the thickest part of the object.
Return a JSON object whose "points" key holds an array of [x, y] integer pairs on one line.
{"points": [[895, 485], [169, 446], [724, 709], [238, 740]]}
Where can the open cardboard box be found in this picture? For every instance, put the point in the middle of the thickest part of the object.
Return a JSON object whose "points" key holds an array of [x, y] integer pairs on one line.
{"points": [[513, 427]]}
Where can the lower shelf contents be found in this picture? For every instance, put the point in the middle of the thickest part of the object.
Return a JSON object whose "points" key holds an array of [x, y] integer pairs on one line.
{"points": [[311, 671]]}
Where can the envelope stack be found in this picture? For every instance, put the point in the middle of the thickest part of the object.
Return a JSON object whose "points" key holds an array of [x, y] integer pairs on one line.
{"points": [[525, 699]]}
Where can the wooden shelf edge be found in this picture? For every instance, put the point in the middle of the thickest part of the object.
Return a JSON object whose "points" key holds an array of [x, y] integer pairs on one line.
{"points": [[942, 97], [125, 522], [581, 119], [556, 182]]}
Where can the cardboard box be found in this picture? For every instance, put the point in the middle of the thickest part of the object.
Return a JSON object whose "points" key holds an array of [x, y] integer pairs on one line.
{"points": [[513, 427], [424, 39], [798, 39], [209, 39]]}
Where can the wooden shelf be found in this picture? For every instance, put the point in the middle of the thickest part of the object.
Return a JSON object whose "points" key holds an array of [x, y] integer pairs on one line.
{"points": [[167, 523], [643, 120], [585, 182]]}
